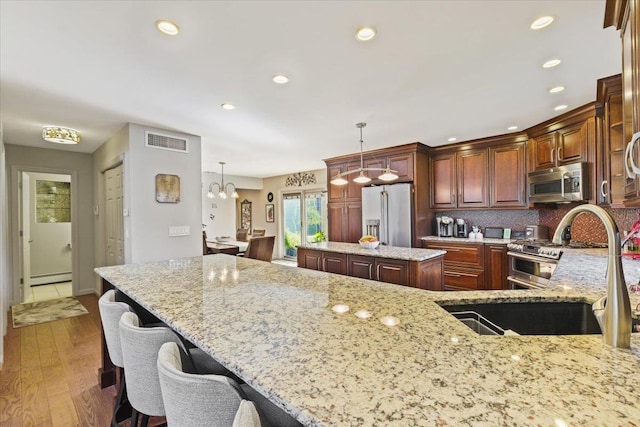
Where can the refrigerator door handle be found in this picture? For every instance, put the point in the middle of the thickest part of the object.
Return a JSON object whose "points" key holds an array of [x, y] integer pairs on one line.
{"points": [[384, 197]]}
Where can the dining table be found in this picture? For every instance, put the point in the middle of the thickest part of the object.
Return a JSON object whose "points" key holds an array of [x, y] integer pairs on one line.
{"points": [[230, 247]]}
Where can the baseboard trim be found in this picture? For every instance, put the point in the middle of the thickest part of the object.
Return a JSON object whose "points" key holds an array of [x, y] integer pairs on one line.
{"points": [[49, 279]]}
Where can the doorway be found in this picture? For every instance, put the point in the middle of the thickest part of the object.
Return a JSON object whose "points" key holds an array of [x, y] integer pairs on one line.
{"points": [[46, 239], [304, 219]]}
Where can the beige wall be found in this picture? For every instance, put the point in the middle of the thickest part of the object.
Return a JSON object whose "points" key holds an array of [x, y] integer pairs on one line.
{"points": [[277, 186], [79, 166], [5, 260]]}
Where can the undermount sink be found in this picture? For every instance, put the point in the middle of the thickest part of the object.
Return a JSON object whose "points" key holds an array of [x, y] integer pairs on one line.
{"points": [[528, 318]]}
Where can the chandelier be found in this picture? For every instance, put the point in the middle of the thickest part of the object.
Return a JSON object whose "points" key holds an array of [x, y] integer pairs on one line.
{"points": [[387, 173], [60, 135], [222, 187]]}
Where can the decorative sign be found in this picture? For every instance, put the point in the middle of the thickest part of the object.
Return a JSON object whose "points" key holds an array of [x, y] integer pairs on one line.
{"points": [[270, 213], [167, 188], [245, 214], [300, 178]]}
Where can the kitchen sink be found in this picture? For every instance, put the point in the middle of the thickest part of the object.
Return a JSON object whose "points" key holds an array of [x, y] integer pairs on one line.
{"points": [[529, 318]]}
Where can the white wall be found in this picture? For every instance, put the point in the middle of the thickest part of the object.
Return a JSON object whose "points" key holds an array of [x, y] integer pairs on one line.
{"points": [[150, 220], [5, 261], [79, 165]]}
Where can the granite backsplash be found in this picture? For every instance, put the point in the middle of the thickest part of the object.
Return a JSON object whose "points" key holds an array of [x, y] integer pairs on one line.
{"points": [[586, 227]]}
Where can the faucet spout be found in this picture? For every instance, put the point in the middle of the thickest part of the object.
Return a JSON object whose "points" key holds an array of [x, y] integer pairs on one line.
{"points": [[616, 321]]}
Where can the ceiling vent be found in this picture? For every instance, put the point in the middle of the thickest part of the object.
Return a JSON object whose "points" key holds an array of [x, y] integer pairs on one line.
{"points": [[166, 142]]}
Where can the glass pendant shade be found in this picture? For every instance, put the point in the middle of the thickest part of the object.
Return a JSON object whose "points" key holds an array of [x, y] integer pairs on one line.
{"points": [[339, 180], [222, 187], [362, 178], [388, 175]]}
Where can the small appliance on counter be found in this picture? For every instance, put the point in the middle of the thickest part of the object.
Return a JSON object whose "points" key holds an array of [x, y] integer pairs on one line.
{"points": [[493, 232], [445, 226], [461, 228], [536, 232]]}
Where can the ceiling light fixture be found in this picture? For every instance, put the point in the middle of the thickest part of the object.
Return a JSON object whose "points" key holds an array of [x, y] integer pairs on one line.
{"points": [[365, 33], [542, 22], [561, 107], [167, 27], [512, 128], [387, 173], [551, 63], [452, 139], [556, 89], [222, 188], [281, 79], [60, 135], [228, 106]]}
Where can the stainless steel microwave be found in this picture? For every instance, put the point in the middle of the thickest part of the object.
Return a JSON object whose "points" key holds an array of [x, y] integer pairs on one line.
{"points": [[562, 184]]}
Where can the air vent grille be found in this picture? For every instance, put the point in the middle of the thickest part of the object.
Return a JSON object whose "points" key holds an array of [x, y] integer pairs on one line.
{"points": [[166, 142]]}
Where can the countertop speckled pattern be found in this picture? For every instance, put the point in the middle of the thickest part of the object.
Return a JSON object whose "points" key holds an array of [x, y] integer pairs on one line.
{"points": [[274, 326], [394, 252], [463, 240]]}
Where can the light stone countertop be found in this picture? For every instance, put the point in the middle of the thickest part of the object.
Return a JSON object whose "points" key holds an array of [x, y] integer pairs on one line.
{"points": [[465, 240], [382, 251], [274, 326]]}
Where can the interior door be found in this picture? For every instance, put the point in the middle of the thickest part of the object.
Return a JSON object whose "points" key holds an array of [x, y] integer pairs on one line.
{"points": [[114, 223]]}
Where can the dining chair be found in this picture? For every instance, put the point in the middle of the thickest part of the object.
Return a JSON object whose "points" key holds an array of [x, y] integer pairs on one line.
{"points": [[260, 248], [212, 400], [242, 234], [258, 233], [205, 248]]}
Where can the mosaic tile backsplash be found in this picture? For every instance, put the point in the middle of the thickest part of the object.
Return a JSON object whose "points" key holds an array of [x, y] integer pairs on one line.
{"points": [[586, 227]]}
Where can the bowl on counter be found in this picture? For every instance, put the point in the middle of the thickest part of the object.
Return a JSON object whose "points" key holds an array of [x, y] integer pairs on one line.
{"points": [[369, 245], [223, 238]]}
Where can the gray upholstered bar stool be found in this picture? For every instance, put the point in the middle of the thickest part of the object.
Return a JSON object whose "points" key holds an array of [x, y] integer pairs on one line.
{"points": [[110, 313], [212, 400], [140, 348]]}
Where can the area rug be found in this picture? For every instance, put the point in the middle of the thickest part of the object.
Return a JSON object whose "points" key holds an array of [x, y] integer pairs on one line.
{"points": [[33, 313]]}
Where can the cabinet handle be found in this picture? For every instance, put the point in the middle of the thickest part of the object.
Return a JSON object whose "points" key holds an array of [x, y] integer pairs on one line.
{"points": [[553, 152], [454, 199], [448, 273], [602, 187], [324, 264], [559, 153], [628, 157]]}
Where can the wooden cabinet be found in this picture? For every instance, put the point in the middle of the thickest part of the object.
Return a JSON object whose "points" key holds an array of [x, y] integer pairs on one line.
{"points": [[563, 146], [350, 192], [428, 274], [345, 221], [507, 176], [402, 163], [624, 15], [460, 180], [611, 174], [472, 266]]}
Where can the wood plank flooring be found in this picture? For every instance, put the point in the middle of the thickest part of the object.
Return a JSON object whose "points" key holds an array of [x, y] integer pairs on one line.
{"points": [[50, 374]]}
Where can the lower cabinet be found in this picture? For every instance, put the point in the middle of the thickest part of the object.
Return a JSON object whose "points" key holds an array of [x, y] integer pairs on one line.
{"points": [[472, 266], [426, 274]]}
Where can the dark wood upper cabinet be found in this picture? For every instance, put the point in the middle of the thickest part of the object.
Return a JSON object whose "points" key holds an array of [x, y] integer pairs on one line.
{"points": [[508, 176], [443, 181], [611, 174], [473, 179], [544, 150]]}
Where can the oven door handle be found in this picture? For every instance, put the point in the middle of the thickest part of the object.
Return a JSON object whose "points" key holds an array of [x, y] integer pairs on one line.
{"points": [[529, 285], [531, 257]]}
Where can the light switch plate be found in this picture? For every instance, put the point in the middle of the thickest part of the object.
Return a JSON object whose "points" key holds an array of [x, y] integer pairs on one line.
{"points": [[181, 230]]}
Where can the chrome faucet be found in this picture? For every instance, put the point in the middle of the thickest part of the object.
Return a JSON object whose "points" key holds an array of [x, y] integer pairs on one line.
{"points": [[613, 311]]}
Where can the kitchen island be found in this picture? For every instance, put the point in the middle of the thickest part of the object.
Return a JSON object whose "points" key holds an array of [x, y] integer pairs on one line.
{"points": [[340, 351], [415, 267]]}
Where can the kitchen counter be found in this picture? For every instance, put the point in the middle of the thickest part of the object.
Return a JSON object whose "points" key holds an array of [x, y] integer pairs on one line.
{"points": [[382, 251], [285, 331], [465, 240]]}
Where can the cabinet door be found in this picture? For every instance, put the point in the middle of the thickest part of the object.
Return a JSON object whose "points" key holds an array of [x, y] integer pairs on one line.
{"points": [[392, 271], [572, 143], [443, 181], [471, 254], [310, 259], [462, 279], [544, 151], [334, 263], [360, 266], [507, 173], [496, 267], [352, 230], [336, 217], [353, 190], [403, 164], [336, 192], [473, 184], [377, 164]]}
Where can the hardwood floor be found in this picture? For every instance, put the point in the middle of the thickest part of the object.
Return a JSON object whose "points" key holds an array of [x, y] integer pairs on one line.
{"points": [[50, 374]]}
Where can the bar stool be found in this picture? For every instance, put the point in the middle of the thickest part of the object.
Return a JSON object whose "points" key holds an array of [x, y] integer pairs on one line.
{"points": [[110, 314], [212, 400]]}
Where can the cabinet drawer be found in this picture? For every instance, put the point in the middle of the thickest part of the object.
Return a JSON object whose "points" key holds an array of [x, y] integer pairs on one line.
{"points": [[334, 263], [471, 254], [455, 279], [392, 271], [360, 266]]}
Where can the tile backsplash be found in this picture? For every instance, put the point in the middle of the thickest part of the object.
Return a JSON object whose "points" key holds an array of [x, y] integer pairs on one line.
{"points": [[586, 227]]}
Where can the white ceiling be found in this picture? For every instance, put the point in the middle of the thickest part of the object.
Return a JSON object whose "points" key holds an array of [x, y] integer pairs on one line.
{"points": [[436, 69]]}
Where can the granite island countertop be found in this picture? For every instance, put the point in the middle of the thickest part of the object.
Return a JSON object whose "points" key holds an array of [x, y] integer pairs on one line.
{"points": [[382, 251], [279, 328]]}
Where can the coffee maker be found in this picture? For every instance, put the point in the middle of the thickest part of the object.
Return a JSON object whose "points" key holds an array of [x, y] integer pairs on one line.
{"points": [[461, 228], [445, 226]]}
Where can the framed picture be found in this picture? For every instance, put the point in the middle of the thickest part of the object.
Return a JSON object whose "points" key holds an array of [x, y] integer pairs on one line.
{"points": [[167, 188], [245, 214], [270, 213]]}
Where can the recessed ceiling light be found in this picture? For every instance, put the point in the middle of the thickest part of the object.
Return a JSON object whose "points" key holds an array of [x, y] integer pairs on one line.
{"points": [[281, 79], [228, 106], [453, 138], [167, 27], [512, 128], [365, 33], [542, 22], [551, 63], [556, 89], [561, 107]]}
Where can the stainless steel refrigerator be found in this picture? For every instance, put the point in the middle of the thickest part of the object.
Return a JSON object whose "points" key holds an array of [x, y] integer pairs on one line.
{"points": [[386, 213]]}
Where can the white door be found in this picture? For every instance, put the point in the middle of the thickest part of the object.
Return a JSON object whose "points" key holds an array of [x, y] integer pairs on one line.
{"points": [[114, 223]]}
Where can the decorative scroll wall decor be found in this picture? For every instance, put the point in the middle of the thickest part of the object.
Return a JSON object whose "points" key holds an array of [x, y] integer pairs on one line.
{"points": [[300, 178]]}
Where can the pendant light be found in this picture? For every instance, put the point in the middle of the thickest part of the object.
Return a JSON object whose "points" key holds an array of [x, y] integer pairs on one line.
{"points": [[222, 188], [387, 173]]}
